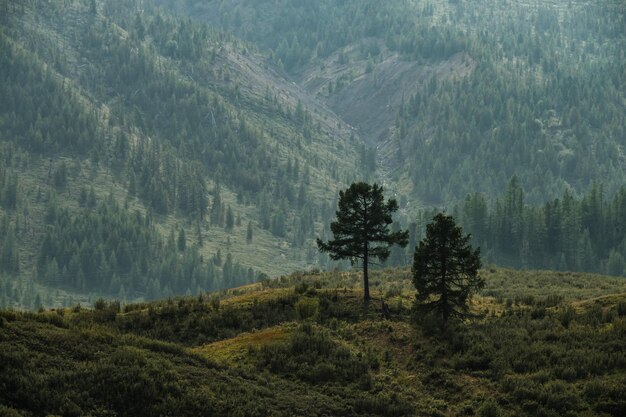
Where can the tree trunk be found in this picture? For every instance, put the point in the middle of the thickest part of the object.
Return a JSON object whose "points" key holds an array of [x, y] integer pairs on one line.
{"points": [[445, 312], [444, 292], [366, 283]]}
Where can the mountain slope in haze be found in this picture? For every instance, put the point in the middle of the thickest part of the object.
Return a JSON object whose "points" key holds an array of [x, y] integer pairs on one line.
{"points": [[545, 343], [109, 104], [466, 93], [227, 154]]}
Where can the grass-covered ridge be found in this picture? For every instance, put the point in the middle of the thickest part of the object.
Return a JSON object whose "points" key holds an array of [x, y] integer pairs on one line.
{"points": [[544, 343]]}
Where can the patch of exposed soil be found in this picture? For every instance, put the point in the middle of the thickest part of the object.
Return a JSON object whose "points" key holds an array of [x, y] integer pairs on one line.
{"points": [[369, 98], [259, 76]]}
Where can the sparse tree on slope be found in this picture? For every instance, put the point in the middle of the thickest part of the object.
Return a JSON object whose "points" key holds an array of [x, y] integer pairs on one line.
{"points": [[361, 232], [445, 271], [249, 233]]}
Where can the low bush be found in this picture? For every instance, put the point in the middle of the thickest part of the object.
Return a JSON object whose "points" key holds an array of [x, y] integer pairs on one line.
{"points": [[313, 356]]}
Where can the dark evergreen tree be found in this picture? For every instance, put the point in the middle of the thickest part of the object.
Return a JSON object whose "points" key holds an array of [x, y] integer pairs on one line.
{"points": [[361, 231], [615, 264], [445, 271], [182, 240], [216, 207], [91, 198], [8, 190], [230, 219], [249, 233], [60, 175]]}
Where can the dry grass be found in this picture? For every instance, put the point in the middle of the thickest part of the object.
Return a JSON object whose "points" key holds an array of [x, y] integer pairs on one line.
{"points": [[486, 306], [234, 351], [507, 283], [606, 301], [243, 297]]}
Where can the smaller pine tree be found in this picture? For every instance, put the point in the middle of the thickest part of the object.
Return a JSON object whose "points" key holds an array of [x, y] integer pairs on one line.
{"points": [[249, 233], [230, 219], [182, 240], [445, 271]]}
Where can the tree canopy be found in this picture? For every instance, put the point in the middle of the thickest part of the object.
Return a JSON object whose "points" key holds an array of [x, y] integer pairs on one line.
{"points": [[361, 231], [445, 270]]}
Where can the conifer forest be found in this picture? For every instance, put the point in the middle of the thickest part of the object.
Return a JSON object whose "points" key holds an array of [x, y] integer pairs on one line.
{"points": [[313, 208]]}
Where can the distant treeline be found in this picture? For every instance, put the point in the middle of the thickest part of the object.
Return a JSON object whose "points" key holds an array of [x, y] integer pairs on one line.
{"points": [[300, 32], [542, 98], [107, 250], [586, 233]]}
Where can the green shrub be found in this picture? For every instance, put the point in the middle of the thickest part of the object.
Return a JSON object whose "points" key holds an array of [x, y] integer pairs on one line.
{"points": [[566, 316], [551, 300], [9, 315], [9, 412], [394, 290], [477, 358], [373, 360], [526, 299], [301, 288], [100, 304], [561, 397], [307, 308], [382, 404], [607, 395], [489, 408], [594, 315], [538, 313], [567, 373], [312, 356]]}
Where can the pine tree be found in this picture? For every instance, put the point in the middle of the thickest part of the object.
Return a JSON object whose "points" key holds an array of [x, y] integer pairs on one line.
{"points": [[182, 240], [249, 233], [230, 219], [445, 271], [361, 232], [615, 265]]}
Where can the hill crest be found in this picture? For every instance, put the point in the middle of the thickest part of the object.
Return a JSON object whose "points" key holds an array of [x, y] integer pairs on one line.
{"points": [[305, 344]]}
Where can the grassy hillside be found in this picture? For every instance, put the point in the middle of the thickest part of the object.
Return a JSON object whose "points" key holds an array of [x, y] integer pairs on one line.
{"points": [[545, 343]]}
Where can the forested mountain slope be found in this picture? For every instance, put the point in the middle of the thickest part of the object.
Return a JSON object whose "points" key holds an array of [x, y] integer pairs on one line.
{"points": [[545, 343], [145, 155], [458, 96], [159, 147]]}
